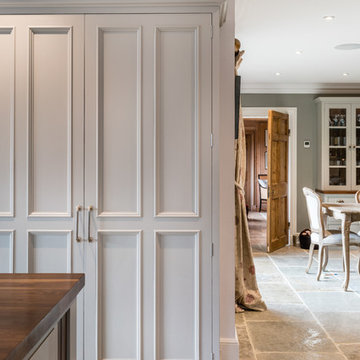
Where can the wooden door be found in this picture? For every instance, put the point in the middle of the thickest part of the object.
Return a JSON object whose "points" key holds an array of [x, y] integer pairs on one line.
{"points": [[277, 210], [147, 186], [41, 151]]}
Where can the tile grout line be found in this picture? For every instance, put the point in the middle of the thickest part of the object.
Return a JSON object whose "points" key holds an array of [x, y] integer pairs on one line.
{"points": [[250, 338], [303, 302]]}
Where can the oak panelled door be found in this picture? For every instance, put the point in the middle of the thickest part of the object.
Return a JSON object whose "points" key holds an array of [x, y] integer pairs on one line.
{"points": [[277, 210], [147, 186]]}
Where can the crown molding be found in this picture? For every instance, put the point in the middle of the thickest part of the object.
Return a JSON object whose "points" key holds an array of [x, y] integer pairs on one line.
{"points": [[300, 88], [114, 6]]}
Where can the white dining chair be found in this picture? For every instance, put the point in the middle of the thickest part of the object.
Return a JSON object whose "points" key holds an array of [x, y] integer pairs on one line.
{"points": [[357, 197], [319, 236]]}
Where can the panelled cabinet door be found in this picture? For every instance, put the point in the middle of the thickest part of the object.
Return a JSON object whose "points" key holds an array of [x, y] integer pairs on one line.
{"points": [[355, 130], [41, 137], [338, 146], [147, 186]]}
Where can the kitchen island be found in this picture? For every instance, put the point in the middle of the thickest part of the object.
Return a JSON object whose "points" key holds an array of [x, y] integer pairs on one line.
{"points": [[31, 307]]}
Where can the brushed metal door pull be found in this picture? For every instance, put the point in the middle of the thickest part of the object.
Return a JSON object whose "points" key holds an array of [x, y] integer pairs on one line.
{"points": [[77, 237], [90, 208]]}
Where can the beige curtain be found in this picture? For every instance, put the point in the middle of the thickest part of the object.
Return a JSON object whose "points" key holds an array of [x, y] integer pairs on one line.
{"points": [[247, 294]]}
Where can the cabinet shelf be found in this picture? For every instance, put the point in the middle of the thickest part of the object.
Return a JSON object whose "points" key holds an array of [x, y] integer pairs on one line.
{"points": [[337, 127]]}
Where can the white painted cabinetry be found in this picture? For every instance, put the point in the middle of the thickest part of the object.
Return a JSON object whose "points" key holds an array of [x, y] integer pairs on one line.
{"points": [[106, 169], [338, 176], [339, 144]]}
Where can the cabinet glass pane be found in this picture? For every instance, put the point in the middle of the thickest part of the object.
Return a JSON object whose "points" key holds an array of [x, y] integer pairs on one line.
{"points": [[337, 137], [357, 137], [357, 144], [337, 176], [337, 117], [357, 164], [357, 117], [337, 157]]}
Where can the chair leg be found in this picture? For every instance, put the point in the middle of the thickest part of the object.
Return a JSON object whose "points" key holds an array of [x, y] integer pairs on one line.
{"points": [[326, 258], [260, 206], [311, 254], [321, 257]]}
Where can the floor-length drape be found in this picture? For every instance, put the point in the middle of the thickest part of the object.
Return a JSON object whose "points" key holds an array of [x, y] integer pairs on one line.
{"points": [[247, 294]]}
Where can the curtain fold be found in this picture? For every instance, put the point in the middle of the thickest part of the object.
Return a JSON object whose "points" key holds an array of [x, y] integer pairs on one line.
{"points": [[247, 294]]}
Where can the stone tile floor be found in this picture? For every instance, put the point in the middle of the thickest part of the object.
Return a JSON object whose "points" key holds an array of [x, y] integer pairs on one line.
{"points": [[306, 319]]}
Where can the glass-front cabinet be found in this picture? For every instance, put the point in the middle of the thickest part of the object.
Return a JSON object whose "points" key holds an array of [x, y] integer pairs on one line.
{"points": [[339, 144]]}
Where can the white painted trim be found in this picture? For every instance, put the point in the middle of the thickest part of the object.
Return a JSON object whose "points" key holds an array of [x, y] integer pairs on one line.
{"points": [[196, 199], [69, 253], [338, 100], [32, 30], [305, 88], [196, 234], [11, 32], [113, 7], [229, 348], [262, 113], [223, 13], [139, 242], [11, 234], [215, 184], [99, 121]]}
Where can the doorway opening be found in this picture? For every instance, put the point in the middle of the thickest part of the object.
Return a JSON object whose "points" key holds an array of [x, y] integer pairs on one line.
{"points": [[256, 132]]}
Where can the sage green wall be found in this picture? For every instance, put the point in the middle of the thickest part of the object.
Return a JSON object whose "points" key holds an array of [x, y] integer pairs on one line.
{"points": [[306, 130]]}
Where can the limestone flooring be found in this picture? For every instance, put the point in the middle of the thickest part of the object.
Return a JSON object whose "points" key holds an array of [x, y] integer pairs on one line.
{"points": [[306, 319], [257, 227]]}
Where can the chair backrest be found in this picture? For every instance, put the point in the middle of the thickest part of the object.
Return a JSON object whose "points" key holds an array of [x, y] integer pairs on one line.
{"points": [[263, 189], [262, 176], [357, 197], [314, 209], [263, 183]]}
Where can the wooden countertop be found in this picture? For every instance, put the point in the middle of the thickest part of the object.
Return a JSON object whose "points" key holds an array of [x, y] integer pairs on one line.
{"points": [[30, 305]]}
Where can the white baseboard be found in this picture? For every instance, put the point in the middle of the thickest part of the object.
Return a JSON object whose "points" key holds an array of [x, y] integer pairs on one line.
{"points": [[229, 348]]}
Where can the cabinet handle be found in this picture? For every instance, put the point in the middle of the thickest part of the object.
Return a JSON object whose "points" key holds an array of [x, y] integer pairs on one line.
{"points": [[90, 208], [354, 146], [78, 209]]}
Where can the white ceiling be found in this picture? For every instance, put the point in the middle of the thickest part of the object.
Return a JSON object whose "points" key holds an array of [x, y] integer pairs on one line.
{"points": [[271, 31]]}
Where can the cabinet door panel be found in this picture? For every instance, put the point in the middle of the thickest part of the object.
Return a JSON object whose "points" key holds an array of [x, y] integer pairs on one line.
{"points": [[50, 121], [148, 171], [43, 111], [338, 152], [7, 113], [355, 130]]}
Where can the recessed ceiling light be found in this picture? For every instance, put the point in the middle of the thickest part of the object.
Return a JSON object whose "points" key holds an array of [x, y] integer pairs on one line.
{"points": [[329, 18], [346, 74], [277, 74], [298, 52], [349, 46]]}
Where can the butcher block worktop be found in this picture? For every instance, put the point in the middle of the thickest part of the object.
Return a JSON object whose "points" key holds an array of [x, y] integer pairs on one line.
{"points": [[30, 306]]}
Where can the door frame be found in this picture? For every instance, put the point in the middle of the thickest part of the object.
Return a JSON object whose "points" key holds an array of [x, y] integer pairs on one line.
{"points": [[262, 113], [251, 133]]}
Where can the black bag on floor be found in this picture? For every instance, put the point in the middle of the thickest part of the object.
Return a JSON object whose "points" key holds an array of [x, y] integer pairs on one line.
{"points": [[305, 239]]}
